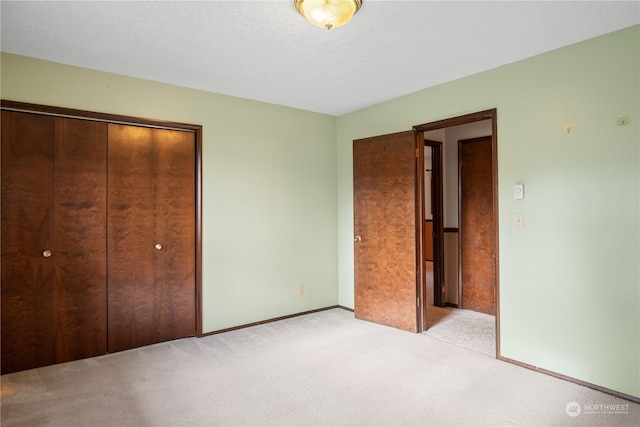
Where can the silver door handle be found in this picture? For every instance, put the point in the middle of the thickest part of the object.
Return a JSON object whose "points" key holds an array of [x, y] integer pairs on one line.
{"points": [[358, 239], [46, 253], [158, 246]]}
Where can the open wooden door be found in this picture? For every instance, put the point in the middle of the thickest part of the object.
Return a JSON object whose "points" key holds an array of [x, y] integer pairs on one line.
{"points": [[477, 225], [386, 230]]}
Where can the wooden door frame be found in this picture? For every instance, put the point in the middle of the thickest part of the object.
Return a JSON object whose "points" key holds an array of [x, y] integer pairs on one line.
{"points": [[438, 228], [114, 118], [490, 114], [421, 288], [438, 249], [419, 226]]}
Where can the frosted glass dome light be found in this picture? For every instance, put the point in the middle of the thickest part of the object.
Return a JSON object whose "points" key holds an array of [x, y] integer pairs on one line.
{"points": [[328, 13]]}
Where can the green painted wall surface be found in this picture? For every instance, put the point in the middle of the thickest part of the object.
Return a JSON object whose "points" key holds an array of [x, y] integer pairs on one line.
{"points": [[269, 185], [570, 280]]}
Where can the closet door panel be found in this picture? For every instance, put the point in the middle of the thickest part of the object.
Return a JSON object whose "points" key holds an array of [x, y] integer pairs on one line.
{"points": [[80, 265], [131, 252], [175, 231], [27, 222], [151, 235]]}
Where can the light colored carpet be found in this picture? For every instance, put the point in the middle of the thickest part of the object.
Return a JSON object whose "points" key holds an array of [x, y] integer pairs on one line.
{"points": [[320, 369], [464, 328]]}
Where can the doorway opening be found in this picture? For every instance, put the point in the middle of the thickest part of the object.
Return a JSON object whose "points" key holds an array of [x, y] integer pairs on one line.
{"points": [[457, 239], [432, 235]]}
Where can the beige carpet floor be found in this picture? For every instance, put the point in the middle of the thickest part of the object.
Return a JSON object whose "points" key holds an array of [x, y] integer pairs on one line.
{"points": [[464, 328], [321, 369]]}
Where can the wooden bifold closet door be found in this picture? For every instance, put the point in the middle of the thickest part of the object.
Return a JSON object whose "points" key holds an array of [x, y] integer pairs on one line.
{"points": [[151, 229], [53, 234], [98, 237]]}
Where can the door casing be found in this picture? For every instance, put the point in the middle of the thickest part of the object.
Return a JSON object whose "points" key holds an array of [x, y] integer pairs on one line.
{"points": [[438, 228]]}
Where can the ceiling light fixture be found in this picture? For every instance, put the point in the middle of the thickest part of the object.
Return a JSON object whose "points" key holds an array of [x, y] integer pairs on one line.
{"points": [[328, 13]]}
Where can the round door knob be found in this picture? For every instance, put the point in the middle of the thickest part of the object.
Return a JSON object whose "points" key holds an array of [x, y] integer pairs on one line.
{"points": [[358, 239], [46, 253], [158, 246]]}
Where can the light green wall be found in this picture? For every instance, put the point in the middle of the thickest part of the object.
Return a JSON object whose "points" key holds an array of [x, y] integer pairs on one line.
{"points": [[570, 280], [269, 185]]}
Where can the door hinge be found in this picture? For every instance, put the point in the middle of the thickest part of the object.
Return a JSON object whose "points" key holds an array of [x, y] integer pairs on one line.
{"points": [[417, 301], [417, 153]]}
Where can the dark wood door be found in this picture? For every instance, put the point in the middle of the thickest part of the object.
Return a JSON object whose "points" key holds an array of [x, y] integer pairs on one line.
{"points": [[53, 240], [27, 224], [438, 228], [151, 236], [477, 225], [80, 252], [384, 181], [428, 240]]}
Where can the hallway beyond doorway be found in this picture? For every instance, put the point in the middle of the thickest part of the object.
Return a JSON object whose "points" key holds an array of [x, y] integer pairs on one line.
{"points": [[464, 328]]}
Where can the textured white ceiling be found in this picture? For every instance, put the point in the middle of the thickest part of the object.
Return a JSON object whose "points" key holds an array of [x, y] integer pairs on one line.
{"points": [[266, 51]]}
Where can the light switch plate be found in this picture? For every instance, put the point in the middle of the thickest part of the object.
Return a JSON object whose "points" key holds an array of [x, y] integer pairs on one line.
{"points": [[518, 192]]}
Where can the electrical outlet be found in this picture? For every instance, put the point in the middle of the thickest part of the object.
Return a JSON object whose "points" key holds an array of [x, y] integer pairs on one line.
{"points": [[622, 121], [301, 289]]}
